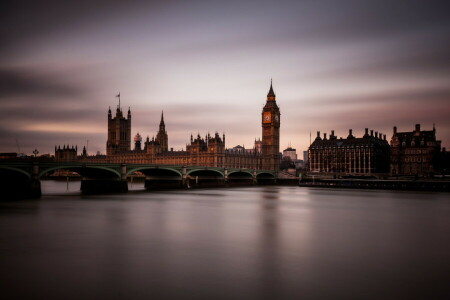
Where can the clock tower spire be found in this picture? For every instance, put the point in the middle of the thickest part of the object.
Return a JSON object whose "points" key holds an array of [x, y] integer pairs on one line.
{"points": [[271, 133]]}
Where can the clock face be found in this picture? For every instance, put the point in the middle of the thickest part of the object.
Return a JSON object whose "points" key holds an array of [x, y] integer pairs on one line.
{"points": [[267, 117], [276, 118]]}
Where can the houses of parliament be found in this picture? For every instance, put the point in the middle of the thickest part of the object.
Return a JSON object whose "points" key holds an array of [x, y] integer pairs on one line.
{"points": [[201, 151]]}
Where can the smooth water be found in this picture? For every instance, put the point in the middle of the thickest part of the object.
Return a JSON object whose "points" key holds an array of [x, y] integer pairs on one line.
{"points": [[229, 243]]}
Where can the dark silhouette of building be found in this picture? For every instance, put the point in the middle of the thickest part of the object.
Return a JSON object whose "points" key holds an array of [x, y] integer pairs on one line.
{"points": [[360, 156], [66, 153], [271, 133], [137, 142], [414, 152], [162, 137], [119, 132]]}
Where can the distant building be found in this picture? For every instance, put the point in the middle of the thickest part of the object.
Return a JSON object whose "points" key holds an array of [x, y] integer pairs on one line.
{"points": [[66, 153], [11, 155], [137, 142], [366, 155], [291, 153], [414, 152], [305, 156]]}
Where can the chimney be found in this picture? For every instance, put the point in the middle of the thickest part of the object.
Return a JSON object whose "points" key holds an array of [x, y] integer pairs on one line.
{"points": [[395, 129], [324, 136], [318, 134], [371, 132], [366, 131], [171, 149], [417, 127], [376, 134], [350, 135], [384, 137], [332, 132]]}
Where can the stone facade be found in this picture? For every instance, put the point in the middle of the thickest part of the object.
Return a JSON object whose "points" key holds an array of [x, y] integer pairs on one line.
{"points": [[119, 132], [271, 133], [357, 156], [414, 152], [207, 151]]}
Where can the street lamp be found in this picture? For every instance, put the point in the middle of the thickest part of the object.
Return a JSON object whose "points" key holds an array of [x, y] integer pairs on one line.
{"points": [[35, 152]]}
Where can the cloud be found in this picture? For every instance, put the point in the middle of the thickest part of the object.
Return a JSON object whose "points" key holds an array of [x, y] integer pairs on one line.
{"points": [[29, 82]]}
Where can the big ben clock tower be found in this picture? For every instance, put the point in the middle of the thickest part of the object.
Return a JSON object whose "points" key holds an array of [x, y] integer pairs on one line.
{"points": [[271, 133]]}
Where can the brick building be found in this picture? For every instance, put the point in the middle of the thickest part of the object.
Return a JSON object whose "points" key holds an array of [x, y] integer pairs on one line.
{"points": [[414, 152], [358, 156]]}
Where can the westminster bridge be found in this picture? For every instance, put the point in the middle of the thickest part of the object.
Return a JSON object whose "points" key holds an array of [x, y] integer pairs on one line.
{"points": [[22, 179]]}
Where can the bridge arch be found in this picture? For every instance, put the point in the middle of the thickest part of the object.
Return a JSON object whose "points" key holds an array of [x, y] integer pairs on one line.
{"points": [[265, 175], [240, 172], [205, 171], [143, 169], [85, 171], [6, 169]]}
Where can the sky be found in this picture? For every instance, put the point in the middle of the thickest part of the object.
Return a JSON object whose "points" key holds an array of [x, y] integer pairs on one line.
{"points": [[335, 65]]}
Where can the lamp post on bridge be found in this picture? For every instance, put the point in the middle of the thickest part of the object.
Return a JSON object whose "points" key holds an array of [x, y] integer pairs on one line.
{"points": [[35, 152]]}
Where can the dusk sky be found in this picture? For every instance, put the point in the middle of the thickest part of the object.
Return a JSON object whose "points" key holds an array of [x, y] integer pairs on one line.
{"points": [[335, 65]]}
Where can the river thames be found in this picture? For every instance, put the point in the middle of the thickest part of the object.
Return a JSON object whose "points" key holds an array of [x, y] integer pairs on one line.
{"points": [[273, 242]]}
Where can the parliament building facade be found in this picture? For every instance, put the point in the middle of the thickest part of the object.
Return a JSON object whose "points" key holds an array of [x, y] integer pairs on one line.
{"points": [[209, 151]]}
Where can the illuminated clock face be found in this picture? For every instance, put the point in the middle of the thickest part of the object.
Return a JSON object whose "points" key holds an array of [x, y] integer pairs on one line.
{"points": [[266, 117]]}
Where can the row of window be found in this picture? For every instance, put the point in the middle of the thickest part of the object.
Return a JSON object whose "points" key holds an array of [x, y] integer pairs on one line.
{"points": [[414, 159], [416, 151]]}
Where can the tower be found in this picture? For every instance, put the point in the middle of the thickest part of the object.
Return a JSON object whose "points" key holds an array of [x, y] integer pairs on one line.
{"points": [[271, 133], [161, 136], [119, 132]]}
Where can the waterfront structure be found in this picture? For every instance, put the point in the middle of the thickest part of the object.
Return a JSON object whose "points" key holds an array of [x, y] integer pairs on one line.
{"points": [[209, 151], [66, 153], [271, 133], [357, 156], [414, 152]]}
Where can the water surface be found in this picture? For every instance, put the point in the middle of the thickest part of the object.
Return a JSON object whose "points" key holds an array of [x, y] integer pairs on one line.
{"points": [[237, 243]]}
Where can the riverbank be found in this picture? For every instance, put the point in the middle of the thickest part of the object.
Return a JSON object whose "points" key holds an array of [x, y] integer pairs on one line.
{"points": [[405, 185]]}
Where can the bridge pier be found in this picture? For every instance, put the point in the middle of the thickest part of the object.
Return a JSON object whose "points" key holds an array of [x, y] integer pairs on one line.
{"points": [[35, 184], [106, 185], [98, 186], [184, 182]]}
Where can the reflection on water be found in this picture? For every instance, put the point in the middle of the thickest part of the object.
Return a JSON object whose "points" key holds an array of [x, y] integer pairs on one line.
{"points": [[245, 243]]}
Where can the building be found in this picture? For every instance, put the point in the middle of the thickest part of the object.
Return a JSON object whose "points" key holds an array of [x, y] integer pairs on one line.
{"points": [[414, 152], [66, 153], [209, 150], [305, 156], [291, 153], [360, 156], [271, 133], [119, 132]]}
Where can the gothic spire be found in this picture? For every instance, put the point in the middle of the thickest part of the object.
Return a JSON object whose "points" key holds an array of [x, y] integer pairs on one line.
{"points": [[271, 94], [162, 119]]}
